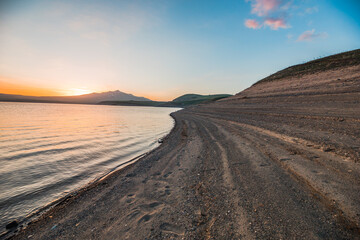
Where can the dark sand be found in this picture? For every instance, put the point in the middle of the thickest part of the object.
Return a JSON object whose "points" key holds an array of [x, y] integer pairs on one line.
{"points": [[278, 161]]}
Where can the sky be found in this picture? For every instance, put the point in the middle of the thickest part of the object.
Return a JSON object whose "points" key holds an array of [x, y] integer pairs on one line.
{"points": [[162, 49]]}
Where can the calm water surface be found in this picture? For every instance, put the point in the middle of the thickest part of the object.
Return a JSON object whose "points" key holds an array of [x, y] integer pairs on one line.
{"points": [[48, 150]]}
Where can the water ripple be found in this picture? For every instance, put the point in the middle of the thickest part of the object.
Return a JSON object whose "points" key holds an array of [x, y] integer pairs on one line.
{"points": [[49, 149]]}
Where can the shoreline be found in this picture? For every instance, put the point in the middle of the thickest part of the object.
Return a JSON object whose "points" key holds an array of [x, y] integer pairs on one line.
{"points": [[35, 215], [279, 160], [221, 176]]}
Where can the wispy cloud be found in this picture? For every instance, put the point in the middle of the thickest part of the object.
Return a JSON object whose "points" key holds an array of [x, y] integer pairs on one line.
{"points": [[251, 23], [276, 23], [272, 13], [309, 11], [288, 5], [263, 7], [311, 35]]}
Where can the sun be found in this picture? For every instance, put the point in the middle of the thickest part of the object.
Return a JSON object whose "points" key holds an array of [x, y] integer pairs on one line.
{"points": [[77, 91]]}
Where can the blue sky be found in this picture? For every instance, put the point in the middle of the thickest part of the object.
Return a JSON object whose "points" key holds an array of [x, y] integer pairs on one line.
{"points": [[162, 49]]}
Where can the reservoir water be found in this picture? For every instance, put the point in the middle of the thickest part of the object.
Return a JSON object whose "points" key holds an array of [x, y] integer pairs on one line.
{"points": [[48, 150]]}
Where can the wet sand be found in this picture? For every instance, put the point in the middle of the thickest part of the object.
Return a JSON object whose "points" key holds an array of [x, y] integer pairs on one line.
{"points": [[279, 160]]}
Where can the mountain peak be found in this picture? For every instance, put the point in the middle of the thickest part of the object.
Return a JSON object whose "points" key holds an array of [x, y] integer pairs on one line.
{"points": [[86, 98], [116, 95]]}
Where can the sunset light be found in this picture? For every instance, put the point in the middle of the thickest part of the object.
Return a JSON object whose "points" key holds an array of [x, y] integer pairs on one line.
{"points": [[77, 91], [164, 49], [203, 119]]}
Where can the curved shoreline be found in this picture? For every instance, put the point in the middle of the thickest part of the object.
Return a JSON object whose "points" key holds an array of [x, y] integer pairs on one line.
{"points": [[36, 214], [280, 160], [225, 172], [31, 217]]}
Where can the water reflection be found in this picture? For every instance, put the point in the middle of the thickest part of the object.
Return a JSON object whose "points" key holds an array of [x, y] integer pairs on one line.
{"points": [[49, 149]]}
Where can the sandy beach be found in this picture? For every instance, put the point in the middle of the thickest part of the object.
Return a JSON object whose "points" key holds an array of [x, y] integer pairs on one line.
{"points": [[279, 160]]}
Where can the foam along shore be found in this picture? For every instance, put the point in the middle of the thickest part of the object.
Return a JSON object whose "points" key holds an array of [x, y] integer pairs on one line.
{"points": [[278, 160]]}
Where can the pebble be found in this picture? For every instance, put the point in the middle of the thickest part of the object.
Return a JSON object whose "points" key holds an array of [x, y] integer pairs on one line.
{"points": [[12, 224]]}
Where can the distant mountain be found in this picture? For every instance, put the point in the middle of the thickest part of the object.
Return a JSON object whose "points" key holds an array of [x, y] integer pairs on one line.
{"points": [[109, 96], [91, 98], [182, 101]]}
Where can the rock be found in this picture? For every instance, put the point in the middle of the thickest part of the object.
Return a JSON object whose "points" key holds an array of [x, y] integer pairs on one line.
{"points": [[328, 149], [160, 140], [12, 224], [284, 159], [129, 175]]}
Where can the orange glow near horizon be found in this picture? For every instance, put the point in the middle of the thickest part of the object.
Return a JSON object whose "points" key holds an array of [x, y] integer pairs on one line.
{"points": [[156, 98], [7, 87], [77, 91]]}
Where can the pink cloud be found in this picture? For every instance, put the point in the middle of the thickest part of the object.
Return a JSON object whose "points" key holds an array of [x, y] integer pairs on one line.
{"points": [[251, 23], [310, 35], [276, 23], [272, 13], [263, 7]]}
